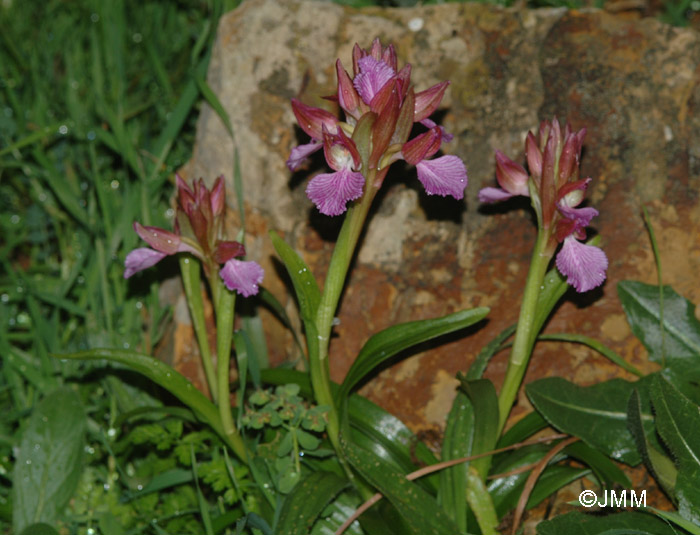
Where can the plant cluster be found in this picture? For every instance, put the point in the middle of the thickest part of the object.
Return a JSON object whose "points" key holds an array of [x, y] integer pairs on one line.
{"points": [[287, 451]]}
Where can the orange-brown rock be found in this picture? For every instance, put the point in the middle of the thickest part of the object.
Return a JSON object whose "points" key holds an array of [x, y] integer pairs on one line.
{"points": [[634, 84]]}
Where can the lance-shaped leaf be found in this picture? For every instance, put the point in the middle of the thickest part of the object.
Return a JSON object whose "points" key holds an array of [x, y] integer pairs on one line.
{"points": [[644, 433], [671, 334], [678, 423], [417, 508], [456, 444], [629, 523], [596, 414], [161, 374], [483, 398], [304, 283], [307, 500], [390, 341]]}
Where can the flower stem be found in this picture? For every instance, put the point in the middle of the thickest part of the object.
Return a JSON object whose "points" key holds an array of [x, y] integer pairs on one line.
{"points": [[224, 334], [332, 289], [524, 337], [191, 281]]}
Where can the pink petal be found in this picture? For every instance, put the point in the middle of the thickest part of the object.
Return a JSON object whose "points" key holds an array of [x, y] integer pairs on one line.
{"points": [[489, 195], [446, 136], [330, 192], [373, 75], [511, 176], [443, 176], [300, 153], [583, 265], [160, 239], [140, 259], [582, 216], [241, 276]]}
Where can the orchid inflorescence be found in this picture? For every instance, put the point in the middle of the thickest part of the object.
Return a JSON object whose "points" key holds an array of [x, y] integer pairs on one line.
{"points": [[198, 227], [556, 191], [380, 108]]}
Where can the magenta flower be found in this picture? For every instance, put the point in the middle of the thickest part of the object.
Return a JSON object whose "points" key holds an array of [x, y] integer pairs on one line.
{"points": [[553, 160], [198, 225], [380, 107]]}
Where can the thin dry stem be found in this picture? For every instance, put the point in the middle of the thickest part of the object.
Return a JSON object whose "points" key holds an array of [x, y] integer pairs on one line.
{"points": [[532, 479]]}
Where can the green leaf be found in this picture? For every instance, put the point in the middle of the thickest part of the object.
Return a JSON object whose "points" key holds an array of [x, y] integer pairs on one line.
{"points": [[476, 370], [675, 342], [305, 286], [678, 424], [608, 353], [522, 430], [40, 528], [606, 471], [49, 461], [307, 500], [628, 523], [481, 503], [644, 433], [161, 374], [484, 400], [417, 508], [596, 414], [457, 443], [678, 520], [387, 343], [371, 426]]}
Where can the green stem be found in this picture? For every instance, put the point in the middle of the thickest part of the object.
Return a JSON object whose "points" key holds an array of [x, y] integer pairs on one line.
{"points": [[191, 281], [335, 280], [524, 337], [224, 336]]}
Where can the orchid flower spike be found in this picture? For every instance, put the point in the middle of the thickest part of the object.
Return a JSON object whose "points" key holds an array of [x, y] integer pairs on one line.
{"points": [[198, 225], [556, 191], [380, 107]]}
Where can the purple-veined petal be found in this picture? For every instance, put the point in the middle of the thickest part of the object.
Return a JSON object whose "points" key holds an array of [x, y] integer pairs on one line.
{"points": [[373, 75], [583, 265], [330, 192], [242, 276], [582, 216], [489, 195], [140, 259], [445, 175], [300, 153]]}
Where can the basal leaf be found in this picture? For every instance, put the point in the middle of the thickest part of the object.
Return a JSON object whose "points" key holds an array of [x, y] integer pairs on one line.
{"points": [[522, 429], [483, 398], [390, 341], [418, 509], [597, 414], [644, 433], [307, 500], [49, 461], [457, 443], [678, 423], [628, 523], [606, 471], [677, 344], [305, 286], [161, 374]]}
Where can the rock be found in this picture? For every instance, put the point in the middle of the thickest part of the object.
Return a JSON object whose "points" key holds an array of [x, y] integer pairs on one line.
{"points": [[634, 84]]}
